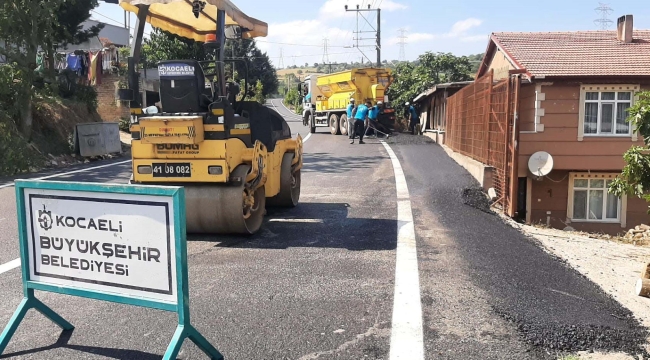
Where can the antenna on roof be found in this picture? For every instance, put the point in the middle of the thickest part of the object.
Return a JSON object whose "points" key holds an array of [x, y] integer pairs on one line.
{"points": [[603, 22]]}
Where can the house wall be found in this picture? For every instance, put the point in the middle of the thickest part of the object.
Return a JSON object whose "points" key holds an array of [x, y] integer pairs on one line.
{"points": [[551, 194], [527, 108], [558, 133], [501, 65], [109, 108]]}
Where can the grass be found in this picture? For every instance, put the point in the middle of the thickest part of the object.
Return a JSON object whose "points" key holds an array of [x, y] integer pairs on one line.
{"points": [[568, 357]]}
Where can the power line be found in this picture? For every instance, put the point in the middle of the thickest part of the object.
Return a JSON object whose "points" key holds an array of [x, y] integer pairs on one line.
{"points": [[402, 44], [301, 45], [603, 22], [118, 22]]}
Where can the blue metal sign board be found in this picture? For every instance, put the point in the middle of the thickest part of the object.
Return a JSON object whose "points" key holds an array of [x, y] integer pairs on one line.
{"points": [[118, 243]]}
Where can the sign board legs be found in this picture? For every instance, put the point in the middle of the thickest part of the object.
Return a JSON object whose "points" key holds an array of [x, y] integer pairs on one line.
{"points": [[30, 302], [188, 331]]}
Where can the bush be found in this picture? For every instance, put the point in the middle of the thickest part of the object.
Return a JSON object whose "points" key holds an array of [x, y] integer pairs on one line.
{"points": [[87, 95], [17, 155], [9, 81], [125, 124], [291, 98]]}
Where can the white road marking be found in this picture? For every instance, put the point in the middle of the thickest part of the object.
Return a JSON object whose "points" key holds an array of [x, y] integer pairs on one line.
{"points": [[311, 221], [289, 110], [306, 138], [10, 265], [406, 339], [71, 172]]}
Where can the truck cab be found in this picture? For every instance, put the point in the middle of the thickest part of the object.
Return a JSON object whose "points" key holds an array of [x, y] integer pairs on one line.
{"points": [[308, 87]]}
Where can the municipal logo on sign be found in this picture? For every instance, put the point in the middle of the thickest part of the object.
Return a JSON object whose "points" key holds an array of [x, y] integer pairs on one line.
{"points": [[175, 70], [45, 219]]}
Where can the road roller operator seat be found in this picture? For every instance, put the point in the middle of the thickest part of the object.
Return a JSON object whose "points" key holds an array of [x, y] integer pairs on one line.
{"points": [[266, 125], [182, 87]]}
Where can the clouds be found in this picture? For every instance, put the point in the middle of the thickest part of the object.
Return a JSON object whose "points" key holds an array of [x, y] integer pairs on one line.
{"points": [[459, 30], [300, 38], [331, 21]]}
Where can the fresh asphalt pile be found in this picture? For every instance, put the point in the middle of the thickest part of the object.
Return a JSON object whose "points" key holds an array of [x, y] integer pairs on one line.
{"points": [[553, 307], [572, 338], [408, 139], [476, 198]]}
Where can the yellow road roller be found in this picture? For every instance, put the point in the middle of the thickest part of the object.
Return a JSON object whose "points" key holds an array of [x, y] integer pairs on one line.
{"points": [[233, 157]]}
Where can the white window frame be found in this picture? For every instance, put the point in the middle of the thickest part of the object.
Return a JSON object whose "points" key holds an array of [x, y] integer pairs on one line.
{"points": [[584, 89], [622, 203]]}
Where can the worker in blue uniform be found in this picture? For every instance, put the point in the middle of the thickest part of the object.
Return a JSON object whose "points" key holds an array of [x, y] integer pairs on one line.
{"points": [[373, 114], [360, 119], [413, 117], [350, 120]]}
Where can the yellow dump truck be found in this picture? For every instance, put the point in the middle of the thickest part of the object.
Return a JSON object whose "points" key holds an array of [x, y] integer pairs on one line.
{"points": [[326, 97]]}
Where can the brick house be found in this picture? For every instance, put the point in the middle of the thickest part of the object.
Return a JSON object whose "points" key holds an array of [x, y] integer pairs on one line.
{"points": [[573, 92]]}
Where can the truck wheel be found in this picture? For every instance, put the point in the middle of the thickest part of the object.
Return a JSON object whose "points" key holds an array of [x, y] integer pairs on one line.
{"points": [[312, 124], [343, 124], [334, 124]]}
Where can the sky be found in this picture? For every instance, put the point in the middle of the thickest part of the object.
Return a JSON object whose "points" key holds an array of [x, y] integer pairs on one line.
{"points": [[297, 29]]}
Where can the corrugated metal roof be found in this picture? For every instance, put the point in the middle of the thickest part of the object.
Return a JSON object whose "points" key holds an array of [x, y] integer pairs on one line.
{"points": [[441, 86]]}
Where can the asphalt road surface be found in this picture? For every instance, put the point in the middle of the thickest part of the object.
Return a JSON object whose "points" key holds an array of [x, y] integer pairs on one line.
{"points": [[318, 282]]}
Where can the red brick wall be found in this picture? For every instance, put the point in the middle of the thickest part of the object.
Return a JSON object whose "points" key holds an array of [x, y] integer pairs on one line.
{"points": [[109, 108]]}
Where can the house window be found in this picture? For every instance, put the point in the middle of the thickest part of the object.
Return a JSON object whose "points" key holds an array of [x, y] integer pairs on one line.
{"points": [[605, 108], [592, 202]]}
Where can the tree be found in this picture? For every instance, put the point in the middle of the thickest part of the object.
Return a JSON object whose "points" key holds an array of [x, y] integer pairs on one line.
{"points": [[68, 27], [410, 79], [163, 45], [70, 16], [299, 72], [26, 26], [634, 179]]}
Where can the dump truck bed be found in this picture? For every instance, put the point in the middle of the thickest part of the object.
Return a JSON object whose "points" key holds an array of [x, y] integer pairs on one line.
{"points": [[361, 84]]}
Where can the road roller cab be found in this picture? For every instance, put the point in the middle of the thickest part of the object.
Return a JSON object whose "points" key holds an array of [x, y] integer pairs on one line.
{"points": [[233, 157]]}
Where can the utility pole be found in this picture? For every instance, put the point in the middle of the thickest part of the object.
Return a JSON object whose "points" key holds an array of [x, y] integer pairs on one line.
{"points": [[376, 29], [281, 62]]}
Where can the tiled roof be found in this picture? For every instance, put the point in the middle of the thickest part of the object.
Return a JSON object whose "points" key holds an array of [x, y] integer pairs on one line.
{"points": [[581, 53]]}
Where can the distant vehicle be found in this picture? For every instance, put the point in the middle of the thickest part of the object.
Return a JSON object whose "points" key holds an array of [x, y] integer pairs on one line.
{"points": [[330, 95]]}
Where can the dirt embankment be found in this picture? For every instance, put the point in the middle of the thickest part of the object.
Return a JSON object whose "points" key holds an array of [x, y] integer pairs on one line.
{"points": [[54, 124], [51, 142]]}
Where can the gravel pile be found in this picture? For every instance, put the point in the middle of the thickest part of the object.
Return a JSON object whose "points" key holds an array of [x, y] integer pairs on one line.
{"points": [[572, 338], [640, 232], [476, 198], [408, 139]]}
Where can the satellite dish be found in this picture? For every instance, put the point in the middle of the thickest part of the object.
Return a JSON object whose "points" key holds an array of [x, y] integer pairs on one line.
{"points": [[540, 163]]}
